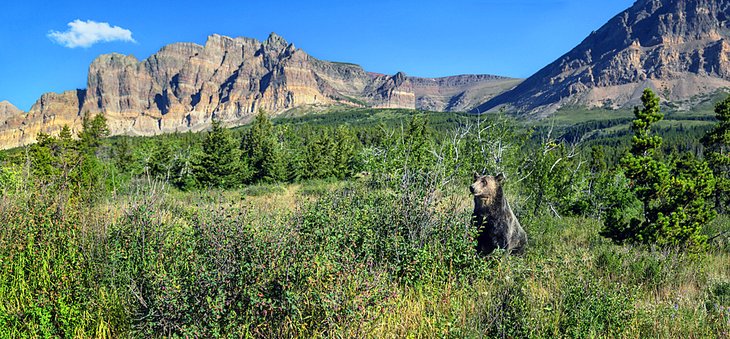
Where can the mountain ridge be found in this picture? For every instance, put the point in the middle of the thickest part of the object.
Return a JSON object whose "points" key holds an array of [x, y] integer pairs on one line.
{"points": [[185, 85], [679, 48]]}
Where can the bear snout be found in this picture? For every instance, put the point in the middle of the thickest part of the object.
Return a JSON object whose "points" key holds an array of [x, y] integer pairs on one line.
{"points": [[472, 189]]}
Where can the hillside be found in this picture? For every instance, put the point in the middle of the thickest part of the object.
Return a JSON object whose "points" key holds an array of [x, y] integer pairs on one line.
{"points": [[679, 48]]}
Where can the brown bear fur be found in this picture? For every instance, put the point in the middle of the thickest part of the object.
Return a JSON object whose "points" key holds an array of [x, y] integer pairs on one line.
{"points": [[498, 226]]}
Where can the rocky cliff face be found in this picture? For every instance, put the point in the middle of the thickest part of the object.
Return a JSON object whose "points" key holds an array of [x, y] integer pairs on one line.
{"points": [[184, 86], [680, 48]]}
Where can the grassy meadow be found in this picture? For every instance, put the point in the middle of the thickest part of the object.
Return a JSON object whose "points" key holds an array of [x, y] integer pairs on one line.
{"points": [[342, 259], [133, 237]]}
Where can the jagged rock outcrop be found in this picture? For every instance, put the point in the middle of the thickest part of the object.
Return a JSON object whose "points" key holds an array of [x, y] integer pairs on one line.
{"points": [[185, 85], [680, 48]]}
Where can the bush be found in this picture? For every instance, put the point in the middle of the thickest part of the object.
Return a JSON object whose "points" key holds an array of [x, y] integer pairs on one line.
{"points": [[593, 309], [262, 190], [47, 285], [718, 306], [10, 178]]}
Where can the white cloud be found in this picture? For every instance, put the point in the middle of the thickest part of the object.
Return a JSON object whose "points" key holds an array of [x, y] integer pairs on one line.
{"points": [[87, 33]]}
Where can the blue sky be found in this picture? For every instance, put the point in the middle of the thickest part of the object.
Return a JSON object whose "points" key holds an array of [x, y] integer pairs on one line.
{"points": [[422, 38]]}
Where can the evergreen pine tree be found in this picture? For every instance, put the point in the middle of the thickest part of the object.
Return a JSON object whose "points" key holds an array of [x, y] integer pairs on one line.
{"points": [[220, 163], [345, 151], [122, 153], [673, 196], [321, 155], [43, 158], [418, 142], [159, 162], [263, 152], [275, 166], [717, 153], [93, 130], [295, 154], [185, 165]]}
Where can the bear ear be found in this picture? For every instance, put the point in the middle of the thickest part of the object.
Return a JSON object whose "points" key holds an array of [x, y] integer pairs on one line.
{"points": [[476, 176], [501, 178]]}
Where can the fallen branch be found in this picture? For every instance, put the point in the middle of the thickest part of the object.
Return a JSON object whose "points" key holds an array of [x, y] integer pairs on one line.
{"points": [[717, 236]]}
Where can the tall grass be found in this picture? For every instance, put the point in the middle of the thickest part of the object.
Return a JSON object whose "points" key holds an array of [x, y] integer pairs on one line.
{"points": [[357, 260]]}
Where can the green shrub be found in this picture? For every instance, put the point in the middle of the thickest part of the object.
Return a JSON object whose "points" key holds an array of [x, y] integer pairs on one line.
{"points": [[592, 309], [718, 306], [262, 190], [48, 286], [10, 178]]}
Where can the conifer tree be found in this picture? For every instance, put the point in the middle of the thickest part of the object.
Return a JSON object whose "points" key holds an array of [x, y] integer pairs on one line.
{"points": [[43, 157], [122, 153], [160, 161], [345, 151], [321, 155], [263, 152], [220, 163], [295, 154], [186, 163], [90, 177], [673, 195], [275, 166], [418, 142], [93, 130], [717, 153]]}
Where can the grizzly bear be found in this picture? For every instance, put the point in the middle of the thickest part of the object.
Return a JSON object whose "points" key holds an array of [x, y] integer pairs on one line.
{"points": [[498, 227]]}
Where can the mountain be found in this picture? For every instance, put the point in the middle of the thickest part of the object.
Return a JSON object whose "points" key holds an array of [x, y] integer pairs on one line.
{"points": [[184, 86], [8, 110], [458, 93], [679, 48]]}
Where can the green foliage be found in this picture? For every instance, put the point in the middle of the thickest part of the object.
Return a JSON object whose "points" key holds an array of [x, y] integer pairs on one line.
{"points": [[554, 178], [418, 140], [373, 239], [262, 190], [11, 178], [717, 152], [72, 166], [122, 154], [643, 143], [345, 154], [718, 304], [406, 154], [608, 190], [160, 161], [320, 155], [47, 287], [673, 194], [92, 132], [262, 151], [220, 162], [44, 157], [595, 309]]}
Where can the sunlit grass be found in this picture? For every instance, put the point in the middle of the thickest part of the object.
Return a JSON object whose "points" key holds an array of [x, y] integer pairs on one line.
{"points": [[572, 282]]}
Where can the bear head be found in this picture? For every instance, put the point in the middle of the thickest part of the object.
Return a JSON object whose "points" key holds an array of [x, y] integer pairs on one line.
{"points": [[487, 187]]}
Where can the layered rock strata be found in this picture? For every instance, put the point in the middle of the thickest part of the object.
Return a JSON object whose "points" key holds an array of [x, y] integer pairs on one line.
{"points": [[184, 86]]}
